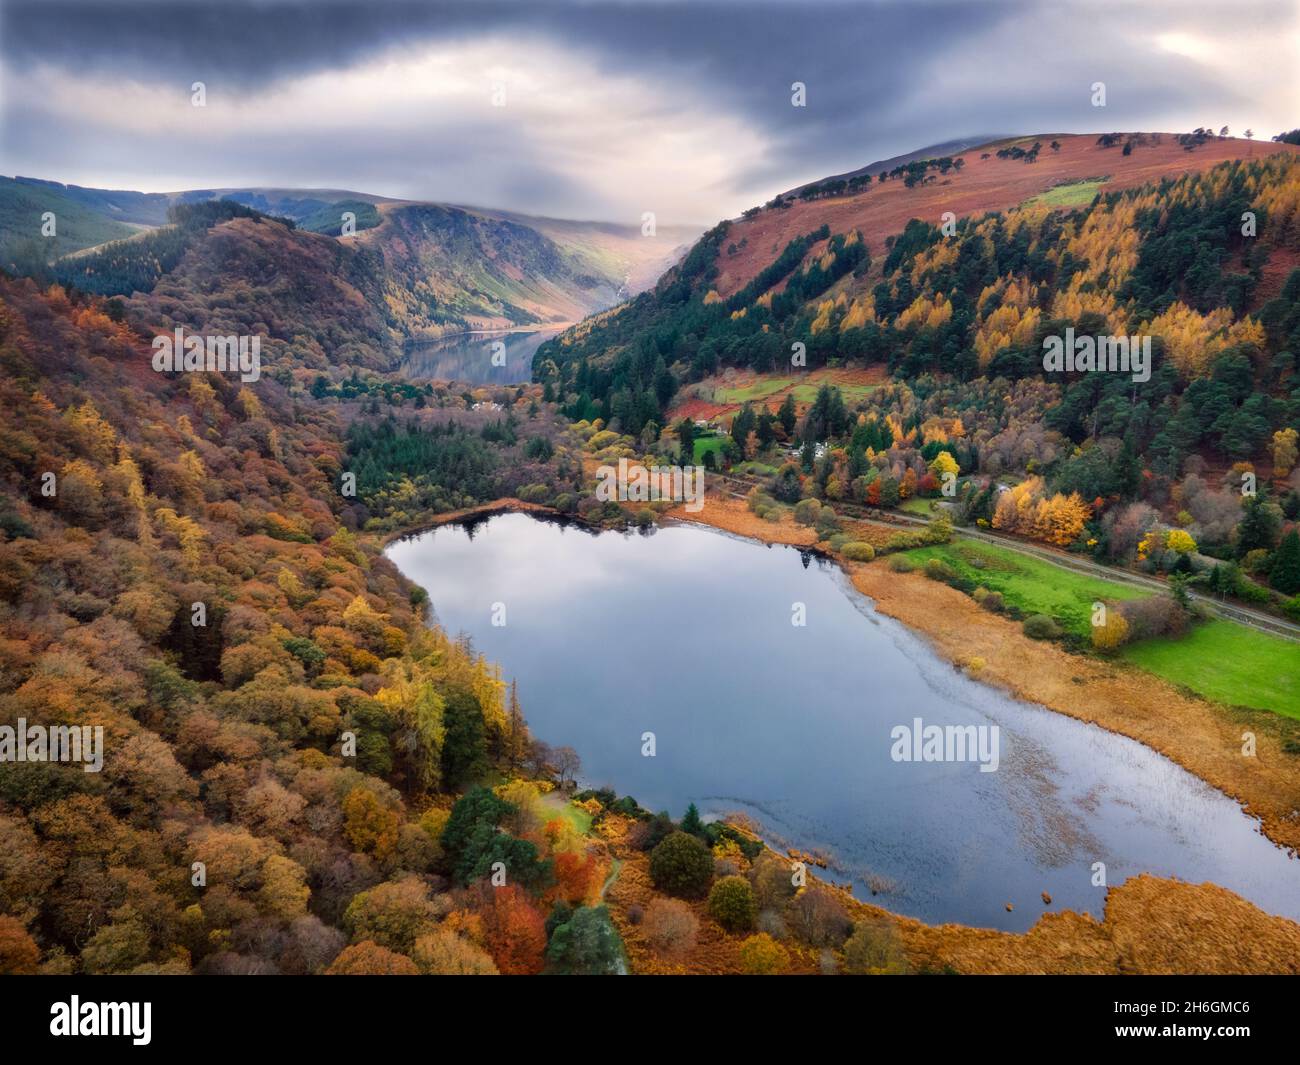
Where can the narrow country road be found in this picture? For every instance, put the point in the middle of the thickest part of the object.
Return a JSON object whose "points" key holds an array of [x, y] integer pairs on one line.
{"points": [[1243, 615]]}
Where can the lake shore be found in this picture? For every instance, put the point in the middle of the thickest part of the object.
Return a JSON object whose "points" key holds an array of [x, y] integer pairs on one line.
{"points": [[504, 505], [1147, 925], [1150, 926], [1204, 739]]}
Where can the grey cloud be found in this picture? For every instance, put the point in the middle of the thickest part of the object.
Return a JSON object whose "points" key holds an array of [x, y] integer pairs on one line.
{"points": [[883, 77]]}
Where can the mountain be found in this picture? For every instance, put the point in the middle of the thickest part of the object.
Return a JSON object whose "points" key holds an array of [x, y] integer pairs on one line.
{"points": [[316, 301], [611, 250], [122, 205], [454, 268], [448, 268]]}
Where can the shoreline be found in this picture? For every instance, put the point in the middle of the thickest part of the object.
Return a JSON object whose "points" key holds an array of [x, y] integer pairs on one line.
{"points": [[504, 505]]}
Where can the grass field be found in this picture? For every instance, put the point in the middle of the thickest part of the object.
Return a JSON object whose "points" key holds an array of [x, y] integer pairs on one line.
{"points": [[707, 443], [758, 389], [1217, 659], [751, 467], [1229, 663], [1033, 586], [1075, 194], [917, 505]]}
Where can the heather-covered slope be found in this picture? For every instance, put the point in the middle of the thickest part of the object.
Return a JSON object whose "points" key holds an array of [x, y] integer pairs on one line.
{"points": [[985, 183]]}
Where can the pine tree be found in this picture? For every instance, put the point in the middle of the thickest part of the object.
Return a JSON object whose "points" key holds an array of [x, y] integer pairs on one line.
{"points": [[786, 415], [1285, 574], [1258, 528], [516, 746], [691, 822]]}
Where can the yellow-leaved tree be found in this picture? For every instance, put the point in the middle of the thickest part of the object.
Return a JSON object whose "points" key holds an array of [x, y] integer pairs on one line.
{"points": [[1285, 452], [1112, 632]]}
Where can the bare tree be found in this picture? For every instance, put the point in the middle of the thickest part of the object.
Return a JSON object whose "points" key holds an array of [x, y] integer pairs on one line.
{"points": [[540, 759], [567, 764]]}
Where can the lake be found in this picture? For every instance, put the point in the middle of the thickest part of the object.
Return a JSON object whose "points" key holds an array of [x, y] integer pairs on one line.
{"points": [[687, 633], [468, 356]]}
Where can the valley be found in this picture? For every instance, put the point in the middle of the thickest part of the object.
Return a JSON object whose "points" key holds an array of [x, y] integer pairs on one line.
{"points": [[438, 643]]}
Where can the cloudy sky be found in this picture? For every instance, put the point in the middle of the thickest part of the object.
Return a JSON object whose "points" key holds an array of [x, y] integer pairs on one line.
{"points": [[598, 109]]}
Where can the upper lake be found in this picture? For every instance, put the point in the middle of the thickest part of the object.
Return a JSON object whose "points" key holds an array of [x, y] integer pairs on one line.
{"points": [[686, 633], [468, 356]]}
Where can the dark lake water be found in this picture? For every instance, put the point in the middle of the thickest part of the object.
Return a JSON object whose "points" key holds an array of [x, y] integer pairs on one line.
{"points": [[468, 357], [687, 633]]}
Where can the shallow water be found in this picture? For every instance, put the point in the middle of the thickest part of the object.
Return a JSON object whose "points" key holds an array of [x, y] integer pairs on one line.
{"points": [[687, 633]]}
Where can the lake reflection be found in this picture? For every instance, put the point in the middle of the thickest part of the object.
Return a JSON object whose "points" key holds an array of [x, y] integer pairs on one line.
{"points": [[687, 633], [468, 357]]}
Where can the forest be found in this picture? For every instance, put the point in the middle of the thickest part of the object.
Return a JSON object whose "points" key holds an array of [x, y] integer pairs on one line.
{"points": [[295, 749]]}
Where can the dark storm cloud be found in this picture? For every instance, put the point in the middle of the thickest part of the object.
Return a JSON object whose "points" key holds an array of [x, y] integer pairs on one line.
{"points": [[882, 78], [257, 42]]}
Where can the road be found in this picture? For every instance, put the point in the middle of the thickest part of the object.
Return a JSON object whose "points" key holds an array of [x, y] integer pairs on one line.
{"points": [[1243, 615]]}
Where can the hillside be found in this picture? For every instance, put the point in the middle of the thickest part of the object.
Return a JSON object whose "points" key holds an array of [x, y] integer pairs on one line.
{"points": [[317, 303], [606, 249], [983, 185], [121, 205], [810, 270], [197, 586], [452, 269], [449, 269]]}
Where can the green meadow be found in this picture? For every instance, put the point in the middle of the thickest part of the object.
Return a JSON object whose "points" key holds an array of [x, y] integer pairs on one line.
{"points": [[1229, 663], [1218, 659], [760, 389], [1032, 585], [917, 505], [1075, 194], [707, 443]]}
